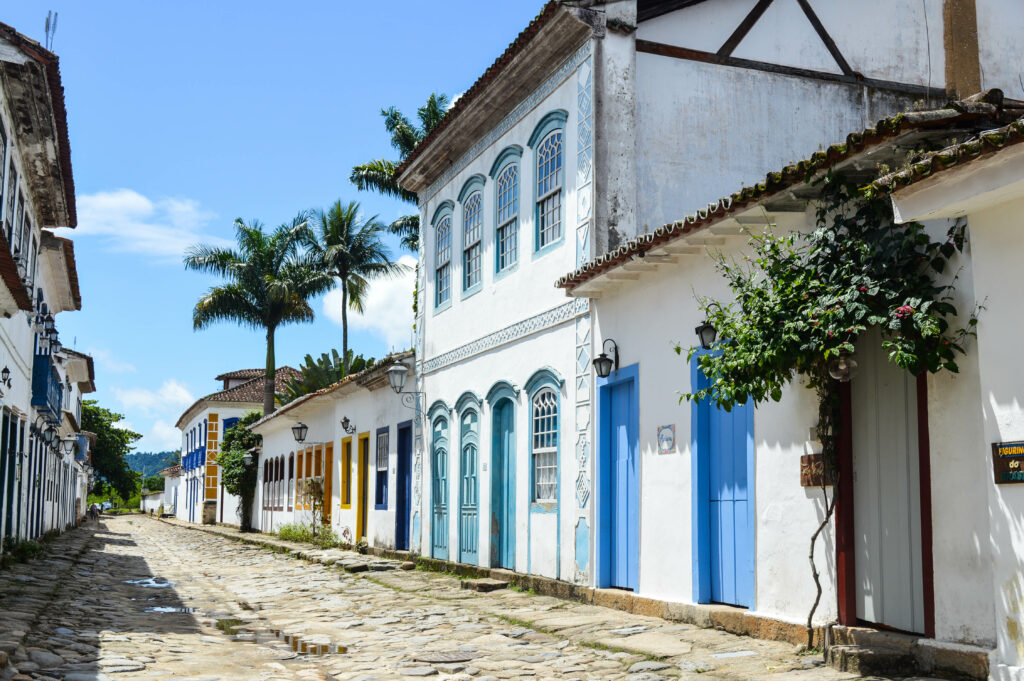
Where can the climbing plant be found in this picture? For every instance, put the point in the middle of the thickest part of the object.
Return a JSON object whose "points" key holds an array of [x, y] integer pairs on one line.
{"points": [[238, 478], [801, 301]]}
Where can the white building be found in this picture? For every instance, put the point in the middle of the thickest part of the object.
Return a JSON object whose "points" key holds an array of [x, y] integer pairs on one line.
{"points": [[41, 481], [357, 446], [172, 480], [599, 122], [202, 498], [899, 556], [980, 418]]}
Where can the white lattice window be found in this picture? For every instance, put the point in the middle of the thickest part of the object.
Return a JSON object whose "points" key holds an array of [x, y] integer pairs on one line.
{"points": [[442, 259], [508, 216], [473, 216], [549, 190], [545, 446]]}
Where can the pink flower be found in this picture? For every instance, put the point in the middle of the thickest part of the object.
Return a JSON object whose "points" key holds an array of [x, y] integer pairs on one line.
{"points": [[903, 311]]}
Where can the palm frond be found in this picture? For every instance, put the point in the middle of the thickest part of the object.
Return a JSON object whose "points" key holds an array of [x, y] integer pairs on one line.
{"points": [[432, 113]]}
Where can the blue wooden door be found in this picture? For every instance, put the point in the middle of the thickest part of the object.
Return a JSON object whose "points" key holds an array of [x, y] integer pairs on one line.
{"points": [[724, 518], [623, 486], [439, 491], [403, 487], [503, 487], [468, 490]]}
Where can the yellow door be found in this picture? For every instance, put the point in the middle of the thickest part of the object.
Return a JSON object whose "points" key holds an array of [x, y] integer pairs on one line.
{"points": [[364, 459]]}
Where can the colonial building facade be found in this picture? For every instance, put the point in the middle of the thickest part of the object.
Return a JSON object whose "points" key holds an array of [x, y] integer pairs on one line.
{"points": [[344, 452], [201, 495], [44, 464]]}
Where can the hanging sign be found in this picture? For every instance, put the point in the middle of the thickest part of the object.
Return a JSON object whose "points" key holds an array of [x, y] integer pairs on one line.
{"points": [[1008, 462]]}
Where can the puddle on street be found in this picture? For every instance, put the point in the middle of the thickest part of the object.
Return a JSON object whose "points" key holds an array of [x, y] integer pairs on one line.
{"points": [[150, 582], [170, 608]]}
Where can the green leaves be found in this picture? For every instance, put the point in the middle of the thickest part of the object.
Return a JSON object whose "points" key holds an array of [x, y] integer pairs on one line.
{"points": [[801, 300]]}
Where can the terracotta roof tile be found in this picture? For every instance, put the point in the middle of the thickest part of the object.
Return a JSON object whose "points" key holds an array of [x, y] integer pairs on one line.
{"points": [[985, 143], [249, 392], [240, 373], [980, 107]]}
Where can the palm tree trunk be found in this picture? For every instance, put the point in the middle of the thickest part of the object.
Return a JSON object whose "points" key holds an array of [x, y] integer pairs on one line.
{"points": [[268, 377], [344, 324]]}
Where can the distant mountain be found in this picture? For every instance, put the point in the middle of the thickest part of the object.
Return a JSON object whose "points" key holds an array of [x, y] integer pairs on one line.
{"points": [[148, 463]]}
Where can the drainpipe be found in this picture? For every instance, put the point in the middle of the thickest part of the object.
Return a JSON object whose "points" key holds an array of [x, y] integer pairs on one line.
{"points": [[960, 38]]}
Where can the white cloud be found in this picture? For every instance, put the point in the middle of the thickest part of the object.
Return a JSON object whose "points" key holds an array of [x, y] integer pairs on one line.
{"points": [[171, 398], [127, 425], [133, 223], [455, 99], [106, 359], [388, 308], [162, 437]]}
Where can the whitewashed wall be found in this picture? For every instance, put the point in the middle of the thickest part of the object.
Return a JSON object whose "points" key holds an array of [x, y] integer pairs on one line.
{"points": [[227, 504]]}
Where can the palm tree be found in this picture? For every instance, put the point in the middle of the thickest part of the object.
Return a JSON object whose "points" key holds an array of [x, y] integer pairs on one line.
{"points": [[379, 175], [269, 283], [349, 248]]}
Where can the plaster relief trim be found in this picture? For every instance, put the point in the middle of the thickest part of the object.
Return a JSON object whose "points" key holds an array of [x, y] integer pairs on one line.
{"points": [[526, 327]]}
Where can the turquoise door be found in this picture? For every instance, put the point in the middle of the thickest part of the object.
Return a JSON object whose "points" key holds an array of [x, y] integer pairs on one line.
{"points": [[724, 499], [503, 486], [468, 490], [439, 491], [618, 481]]}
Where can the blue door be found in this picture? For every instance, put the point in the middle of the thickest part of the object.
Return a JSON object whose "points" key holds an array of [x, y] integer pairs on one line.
{"points": [[468, 489], [618, 496], [403, 486], [439, 491], [503, 486], [724, 515]]}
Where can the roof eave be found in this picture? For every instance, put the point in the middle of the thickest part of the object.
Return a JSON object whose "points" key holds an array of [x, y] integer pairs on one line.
{"points": [[556, 34]]}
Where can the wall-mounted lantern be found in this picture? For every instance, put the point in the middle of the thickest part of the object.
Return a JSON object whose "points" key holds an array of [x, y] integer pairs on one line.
{"points": [[707, 334], [603, 364], [347, 426], [299, 431]]}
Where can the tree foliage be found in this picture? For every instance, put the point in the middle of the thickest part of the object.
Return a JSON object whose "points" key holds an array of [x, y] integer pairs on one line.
{"points": [[379, 175], [348, 247], [269, 284], [238, 478], [113, 444], [154, 483], [320, 373]]}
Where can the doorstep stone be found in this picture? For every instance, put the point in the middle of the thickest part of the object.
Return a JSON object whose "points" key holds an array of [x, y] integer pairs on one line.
{"points": [[483, 585]]}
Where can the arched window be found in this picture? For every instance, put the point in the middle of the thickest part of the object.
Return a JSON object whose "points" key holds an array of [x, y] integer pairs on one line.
{"points": [[291, 479], [545, 446], [442, 260], [473, 220], [549, 190], [507, 229]]}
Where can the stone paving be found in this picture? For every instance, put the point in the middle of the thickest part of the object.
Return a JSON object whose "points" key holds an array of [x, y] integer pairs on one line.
{"points": [[136, 598]]}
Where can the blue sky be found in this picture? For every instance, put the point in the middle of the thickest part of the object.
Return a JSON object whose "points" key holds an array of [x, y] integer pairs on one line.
{"points": [[186, 115]]}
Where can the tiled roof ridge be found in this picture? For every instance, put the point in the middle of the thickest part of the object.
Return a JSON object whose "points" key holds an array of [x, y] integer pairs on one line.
{"points": [[955, 155], [985, 104], [241, 373], [378, 366], [492, 71], [281, 375], [52, 63]]}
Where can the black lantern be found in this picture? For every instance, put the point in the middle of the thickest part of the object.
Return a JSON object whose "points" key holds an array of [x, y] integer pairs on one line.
{"points": [[603, 364], [396, 376], [48, 323], [5, 377], [707, 334], [347, 426], [247, 459], [299, 431], [843, 368], [55, 344]]}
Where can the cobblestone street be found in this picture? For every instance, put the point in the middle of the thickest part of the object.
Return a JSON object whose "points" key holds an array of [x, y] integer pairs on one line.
{"points": [[142, 599]]}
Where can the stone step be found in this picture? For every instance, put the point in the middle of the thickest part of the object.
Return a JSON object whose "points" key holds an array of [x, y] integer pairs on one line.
{"points": [[865, 660], [484, 585]]}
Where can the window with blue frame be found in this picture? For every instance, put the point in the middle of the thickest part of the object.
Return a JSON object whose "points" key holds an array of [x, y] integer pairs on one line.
{"points": [[544, 448], [507, 231], [471, 253], [442, 260], [381, 487], [549, 190], [229, 424]]}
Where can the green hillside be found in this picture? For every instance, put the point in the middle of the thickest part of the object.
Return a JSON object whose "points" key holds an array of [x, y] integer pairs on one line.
{"points": [[148, 463]]}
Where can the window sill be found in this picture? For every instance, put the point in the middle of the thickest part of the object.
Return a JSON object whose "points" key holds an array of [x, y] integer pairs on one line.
{"points": [[501, 274], [380, 507], [471, 291], [541, 252], [544, 507], [438, 309]]}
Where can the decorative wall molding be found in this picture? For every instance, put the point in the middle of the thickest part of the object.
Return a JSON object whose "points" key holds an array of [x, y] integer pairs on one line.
{"points": [[517, 114], [526, 327]]}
